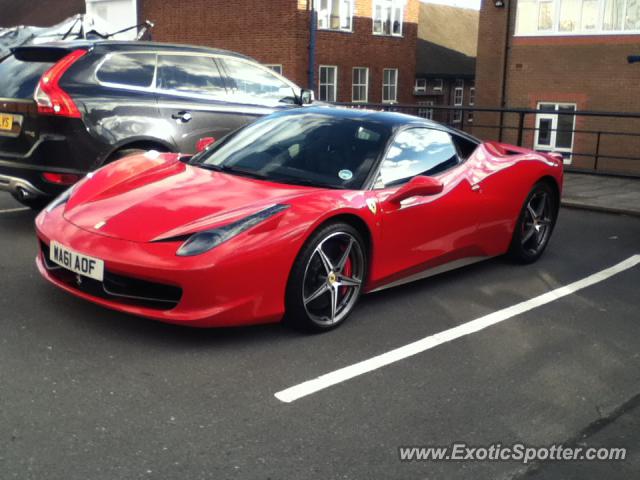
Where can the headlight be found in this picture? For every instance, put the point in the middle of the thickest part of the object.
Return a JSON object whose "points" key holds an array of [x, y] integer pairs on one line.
{"points": [[59, 200], [204, 241]]}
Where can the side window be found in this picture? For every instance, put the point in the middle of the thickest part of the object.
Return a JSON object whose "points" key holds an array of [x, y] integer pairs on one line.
{"points": [[417, 151], [190, 74], [256, 81], [128, 69], [465, 147]]}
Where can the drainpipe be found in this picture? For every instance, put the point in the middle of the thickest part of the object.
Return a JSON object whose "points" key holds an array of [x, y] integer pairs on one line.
{"points": [[312, 47], [505, 69]]}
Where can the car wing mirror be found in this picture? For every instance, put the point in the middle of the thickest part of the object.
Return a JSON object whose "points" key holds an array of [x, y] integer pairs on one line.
{"points": [[203, 143], [305, 97], [419, 186]]}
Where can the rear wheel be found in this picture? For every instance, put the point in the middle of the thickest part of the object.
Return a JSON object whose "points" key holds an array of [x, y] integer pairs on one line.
{"points": [[327, 278], [125, 152], [535, 224]]}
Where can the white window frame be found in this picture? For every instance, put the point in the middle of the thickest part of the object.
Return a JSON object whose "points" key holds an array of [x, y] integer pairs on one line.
{"points": [[472, 96], [345, 9], [276, 67], [554, 127], [420, 86], [395, 85], [335, 84], [458, 100], [388, 9], [438, 84], [360, 85], [424, 111], [555, 29]]}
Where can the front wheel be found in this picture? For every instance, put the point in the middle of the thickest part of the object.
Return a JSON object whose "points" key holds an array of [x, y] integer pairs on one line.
{"points": [[327, 278], [535, 224]]}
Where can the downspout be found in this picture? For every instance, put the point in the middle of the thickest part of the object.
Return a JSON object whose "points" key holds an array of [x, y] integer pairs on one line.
{"points": [[505, 69], [312, 47]]}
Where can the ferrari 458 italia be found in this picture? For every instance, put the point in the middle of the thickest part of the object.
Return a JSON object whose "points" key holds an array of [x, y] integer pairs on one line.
{"points": [[294, 217]]}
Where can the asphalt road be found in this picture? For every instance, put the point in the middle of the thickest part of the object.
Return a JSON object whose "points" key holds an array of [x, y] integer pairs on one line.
{"points": [[87, 393]]}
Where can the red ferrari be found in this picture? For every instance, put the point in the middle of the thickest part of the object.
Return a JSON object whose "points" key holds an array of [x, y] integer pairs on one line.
{"points": [[295, 216]]}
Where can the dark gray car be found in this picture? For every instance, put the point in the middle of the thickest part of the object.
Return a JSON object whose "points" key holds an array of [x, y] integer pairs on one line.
{"points": [[68, 108]]}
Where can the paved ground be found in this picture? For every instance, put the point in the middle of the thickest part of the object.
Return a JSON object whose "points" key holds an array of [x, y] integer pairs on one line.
{"points": [[91, 394], [599, 192]]}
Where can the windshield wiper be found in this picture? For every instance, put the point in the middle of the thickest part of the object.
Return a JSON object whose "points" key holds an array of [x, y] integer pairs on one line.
{"points": [[232, 170], [305, 182]]}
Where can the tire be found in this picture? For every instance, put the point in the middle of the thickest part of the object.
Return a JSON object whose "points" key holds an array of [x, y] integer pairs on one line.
{"points": [[327, 278], [125, 152], [36, 204], [535, 224]]}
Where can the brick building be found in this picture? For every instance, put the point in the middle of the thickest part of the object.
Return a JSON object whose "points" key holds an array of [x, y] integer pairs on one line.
{"points": [[563, 55], [364, 49], [360, 50], [446, 62]]}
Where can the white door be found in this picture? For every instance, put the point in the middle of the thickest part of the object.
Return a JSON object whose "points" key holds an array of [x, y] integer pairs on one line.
{"points": [[554, 133]]}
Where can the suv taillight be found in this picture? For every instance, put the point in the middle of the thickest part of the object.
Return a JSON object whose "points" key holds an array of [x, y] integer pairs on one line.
{"points": [[49, 97]]}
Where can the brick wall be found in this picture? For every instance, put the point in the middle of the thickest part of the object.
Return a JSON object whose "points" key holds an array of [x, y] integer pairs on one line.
{"points": [[590, 71], [41, 13]]}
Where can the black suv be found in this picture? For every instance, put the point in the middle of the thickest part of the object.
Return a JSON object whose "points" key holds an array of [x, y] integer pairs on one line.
{"points": [[67, 108]]}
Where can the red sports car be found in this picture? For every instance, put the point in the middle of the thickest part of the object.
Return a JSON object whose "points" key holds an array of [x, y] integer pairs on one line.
{"points": [[294, 217]]}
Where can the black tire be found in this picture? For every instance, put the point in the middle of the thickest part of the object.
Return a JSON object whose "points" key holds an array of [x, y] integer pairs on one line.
{"points": [[125, 152], [342, 245], [36, 204], [535, 224]]}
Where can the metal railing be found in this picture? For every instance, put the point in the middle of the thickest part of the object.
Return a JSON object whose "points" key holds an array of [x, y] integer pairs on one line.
{"points": [[597, 146]]}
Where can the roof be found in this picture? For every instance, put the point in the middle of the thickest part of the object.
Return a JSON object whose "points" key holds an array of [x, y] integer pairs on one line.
{"points": [[447, 41]]}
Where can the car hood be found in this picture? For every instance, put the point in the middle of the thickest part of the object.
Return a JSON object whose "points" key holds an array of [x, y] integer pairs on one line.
{"points": [[156, 196]]}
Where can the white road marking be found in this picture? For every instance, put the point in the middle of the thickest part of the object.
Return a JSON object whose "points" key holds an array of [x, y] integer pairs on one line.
{"points": [[343, 374], [11, 210]]}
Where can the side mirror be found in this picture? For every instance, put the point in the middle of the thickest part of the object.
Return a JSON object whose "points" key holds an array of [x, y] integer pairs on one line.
{"points": [[306, 97], [203, 143], [419, 186]]}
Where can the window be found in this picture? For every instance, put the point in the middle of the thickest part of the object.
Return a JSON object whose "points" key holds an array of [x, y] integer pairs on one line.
{"points": [[555, 132], [255, 80], [387, 17], [335, 14], [360, 88], [458, 100], [275, 67], [118, 14], [128, 70], [577, 17], [472, 102], [437, 85], [420, 87], [426, 112], [189, 74], [389, 85], [417, 151], [327, 88]]}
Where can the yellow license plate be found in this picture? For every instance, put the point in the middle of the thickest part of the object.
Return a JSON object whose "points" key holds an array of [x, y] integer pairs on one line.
{"points": [[6, 122]]}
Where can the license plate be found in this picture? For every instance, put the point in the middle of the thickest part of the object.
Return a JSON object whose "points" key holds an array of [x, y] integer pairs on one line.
{"points": [[6, 122], [76, 262]]}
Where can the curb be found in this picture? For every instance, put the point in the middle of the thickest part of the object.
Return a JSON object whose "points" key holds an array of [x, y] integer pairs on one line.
{"points": [[599, 208]]}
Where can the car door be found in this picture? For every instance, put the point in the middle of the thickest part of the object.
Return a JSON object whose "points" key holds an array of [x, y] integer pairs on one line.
{"points": [[193, 99], [256, 89], [424, 232]]}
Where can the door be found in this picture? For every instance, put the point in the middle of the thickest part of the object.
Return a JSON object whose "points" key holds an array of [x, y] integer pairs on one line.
{"points": [[424, 232], [193, 99], [554, 132]]}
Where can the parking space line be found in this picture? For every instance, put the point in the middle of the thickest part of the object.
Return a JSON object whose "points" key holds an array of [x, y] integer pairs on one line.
{"points": [[12, 210], [343, 374]]}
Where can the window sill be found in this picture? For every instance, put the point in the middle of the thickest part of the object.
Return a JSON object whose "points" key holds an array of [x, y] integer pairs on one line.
{"points": [[334, 30], [390, 35], [608, 33]]}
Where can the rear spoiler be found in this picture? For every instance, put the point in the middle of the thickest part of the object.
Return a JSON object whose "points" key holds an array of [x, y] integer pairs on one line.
{"points": [[42, 53]]}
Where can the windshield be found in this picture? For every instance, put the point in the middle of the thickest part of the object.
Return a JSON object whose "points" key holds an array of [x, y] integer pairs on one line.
{"points": [[310, 148]]}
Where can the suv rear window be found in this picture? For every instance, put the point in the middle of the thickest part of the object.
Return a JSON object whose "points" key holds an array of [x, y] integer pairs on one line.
{"points": [[19, 79], [128, 69]]}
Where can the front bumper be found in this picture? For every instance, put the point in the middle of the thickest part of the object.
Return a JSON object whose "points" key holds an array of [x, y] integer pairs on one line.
{"points": [[218, 289]]}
